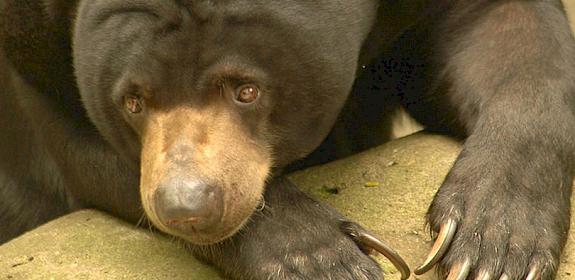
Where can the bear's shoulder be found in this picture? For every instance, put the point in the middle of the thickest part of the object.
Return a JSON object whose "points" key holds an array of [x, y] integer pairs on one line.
{"points": [[35, 38]]}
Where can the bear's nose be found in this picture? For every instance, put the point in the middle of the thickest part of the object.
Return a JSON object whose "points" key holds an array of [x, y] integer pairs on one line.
{"points": [[188, 205]]}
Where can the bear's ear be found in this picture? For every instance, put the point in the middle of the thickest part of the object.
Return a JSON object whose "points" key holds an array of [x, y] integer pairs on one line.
{"points": [[35, 37]]}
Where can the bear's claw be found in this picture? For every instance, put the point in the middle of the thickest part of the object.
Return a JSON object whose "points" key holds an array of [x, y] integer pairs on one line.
{"points": [[534, 273], [460, 272], [369, 242], [446, 233]]}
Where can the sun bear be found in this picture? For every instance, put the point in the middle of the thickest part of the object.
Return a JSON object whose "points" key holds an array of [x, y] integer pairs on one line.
{"points": [[188, 112]]}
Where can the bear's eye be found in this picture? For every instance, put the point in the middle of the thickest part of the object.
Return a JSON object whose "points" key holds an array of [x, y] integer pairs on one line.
{"points": [[133, 103], [247, 94]]}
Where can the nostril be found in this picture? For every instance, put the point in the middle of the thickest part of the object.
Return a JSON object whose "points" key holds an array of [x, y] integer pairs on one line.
{"points": [[181, 204]]}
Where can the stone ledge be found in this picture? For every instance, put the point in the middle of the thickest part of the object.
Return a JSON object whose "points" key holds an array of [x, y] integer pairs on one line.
{"points": [[92, 245], [387, 189]]}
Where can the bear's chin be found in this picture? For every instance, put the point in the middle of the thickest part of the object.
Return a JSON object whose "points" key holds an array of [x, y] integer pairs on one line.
{"points": [[217, 234], [201, 239]]}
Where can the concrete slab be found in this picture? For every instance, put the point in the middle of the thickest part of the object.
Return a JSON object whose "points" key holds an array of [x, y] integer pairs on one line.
{"points": [[387, 189], [93, 245], [407, 173]]}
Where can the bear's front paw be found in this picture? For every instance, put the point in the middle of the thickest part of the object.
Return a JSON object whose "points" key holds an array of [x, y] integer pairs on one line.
{"points": [[295, 237], [309, 255], [329, 253], [497, 228]]}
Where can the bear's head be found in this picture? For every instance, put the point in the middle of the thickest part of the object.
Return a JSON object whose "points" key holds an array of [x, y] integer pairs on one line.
{"points": [[209, 97]]}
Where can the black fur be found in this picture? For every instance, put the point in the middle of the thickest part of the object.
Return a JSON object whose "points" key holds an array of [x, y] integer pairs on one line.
{"points": [[311, 232], [498, 74]]}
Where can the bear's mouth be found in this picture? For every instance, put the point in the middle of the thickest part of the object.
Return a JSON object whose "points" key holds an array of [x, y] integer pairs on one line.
{"points": [[203, 182]]}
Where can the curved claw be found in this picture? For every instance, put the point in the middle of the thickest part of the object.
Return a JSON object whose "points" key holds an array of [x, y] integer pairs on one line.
{"points": [[484, 276], [446, 233], [369, 241], [460, 272], [534, 273]]}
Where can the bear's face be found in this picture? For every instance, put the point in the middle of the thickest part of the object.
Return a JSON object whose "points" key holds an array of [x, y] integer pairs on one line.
{"points": [[209, 96]]}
